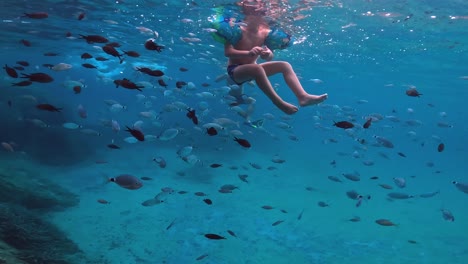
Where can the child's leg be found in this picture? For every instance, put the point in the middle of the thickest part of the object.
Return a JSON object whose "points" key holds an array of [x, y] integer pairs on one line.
{"points": [[255, 71], [293, 82]]}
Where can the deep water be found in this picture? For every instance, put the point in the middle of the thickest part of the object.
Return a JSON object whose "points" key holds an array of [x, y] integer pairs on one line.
{"points": [[284, 199]]}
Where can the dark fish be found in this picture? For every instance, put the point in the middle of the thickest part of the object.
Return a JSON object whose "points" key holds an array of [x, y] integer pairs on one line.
{"points": [[151, 45], [51, 54], [48, 107], [86, 56], [343, 124], [102, 201], [113, 146], [385, 222], [77, 89], [413, 92], [94, 39], [374, 178], [136, 134], [180, 84], [243, 142], [232, 233], [200, 194], [277, 222], [401, 154], [440, 147], [267, 207], [112, 51], [133, 54], [322, 204], [88, 66], [192, 115], [355, 219], [162, 83], [214, 236], [208, 201], [113, 44], [171, 224], [81, 16], [216, 165], [299, 217], [127, 181], [412, 241], [367, 123], [146, 178], [38, 77], [26, 43], [155, 73], [202, 257], [23, 63], [36, 15], [211, 131], [11, 71], [182, 69], [243, 177], [126, 83]]}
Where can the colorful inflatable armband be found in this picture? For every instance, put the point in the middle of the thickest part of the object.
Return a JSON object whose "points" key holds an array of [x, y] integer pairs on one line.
{"points": [[278, 39]]}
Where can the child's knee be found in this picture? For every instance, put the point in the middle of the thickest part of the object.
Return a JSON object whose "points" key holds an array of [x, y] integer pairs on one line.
{"points": [[257, 70], [286, 66]]}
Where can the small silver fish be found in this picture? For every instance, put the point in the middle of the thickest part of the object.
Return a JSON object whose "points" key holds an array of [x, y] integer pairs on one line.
{"points": [[160, 161], [429, 195], [352, 176], [127, 181], [400, 182], [447, 215], [461, 186], [398, 195]]}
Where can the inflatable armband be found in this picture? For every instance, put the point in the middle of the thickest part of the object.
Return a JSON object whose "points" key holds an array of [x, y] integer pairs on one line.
{"points": [[278, 39]]}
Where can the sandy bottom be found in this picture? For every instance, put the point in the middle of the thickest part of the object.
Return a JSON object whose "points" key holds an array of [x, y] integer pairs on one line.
{"points": [[124, 231]]}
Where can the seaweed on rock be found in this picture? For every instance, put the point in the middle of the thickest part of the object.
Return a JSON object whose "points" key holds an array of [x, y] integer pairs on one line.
{"points": [[36, 240]]}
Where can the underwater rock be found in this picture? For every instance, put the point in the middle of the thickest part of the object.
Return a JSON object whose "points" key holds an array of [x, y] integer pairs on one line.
{"points": [[23, 188], [34, 240]]}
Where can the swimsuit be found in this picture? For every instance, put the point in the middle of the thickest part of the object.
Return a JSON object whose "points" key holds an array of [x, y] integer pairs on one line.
{"points": [[230, 71]]}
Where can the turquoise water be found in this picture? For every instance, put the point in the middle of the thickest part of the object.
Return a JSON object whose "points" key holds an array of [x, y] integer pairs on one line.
{"points": [[364, 54]]}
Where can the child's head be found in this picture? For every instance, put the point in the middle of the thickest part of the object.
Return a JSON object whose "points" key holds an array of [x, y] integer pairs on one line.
{"points": [[253, 8]]}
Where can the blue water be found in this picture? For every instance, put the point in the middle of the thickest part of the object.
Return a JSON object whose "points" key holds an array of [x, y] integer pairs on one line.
{"points": [[364, 54]]}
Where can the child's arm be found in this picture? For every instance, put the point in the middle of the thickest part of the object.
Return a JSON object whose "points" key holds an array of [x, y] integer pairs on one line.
{"points": [[231, 52]]}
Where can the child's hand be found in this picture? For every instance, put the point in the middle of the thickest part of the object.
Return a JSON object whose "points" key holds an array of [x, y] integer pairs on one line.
{"points": [[255, 51], [266, 54]]}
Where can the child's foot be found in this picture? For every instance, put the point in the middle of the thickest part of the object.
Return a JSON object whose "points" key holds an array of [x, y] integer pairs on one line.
{"points": [[287, 107], [311, 99]]}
